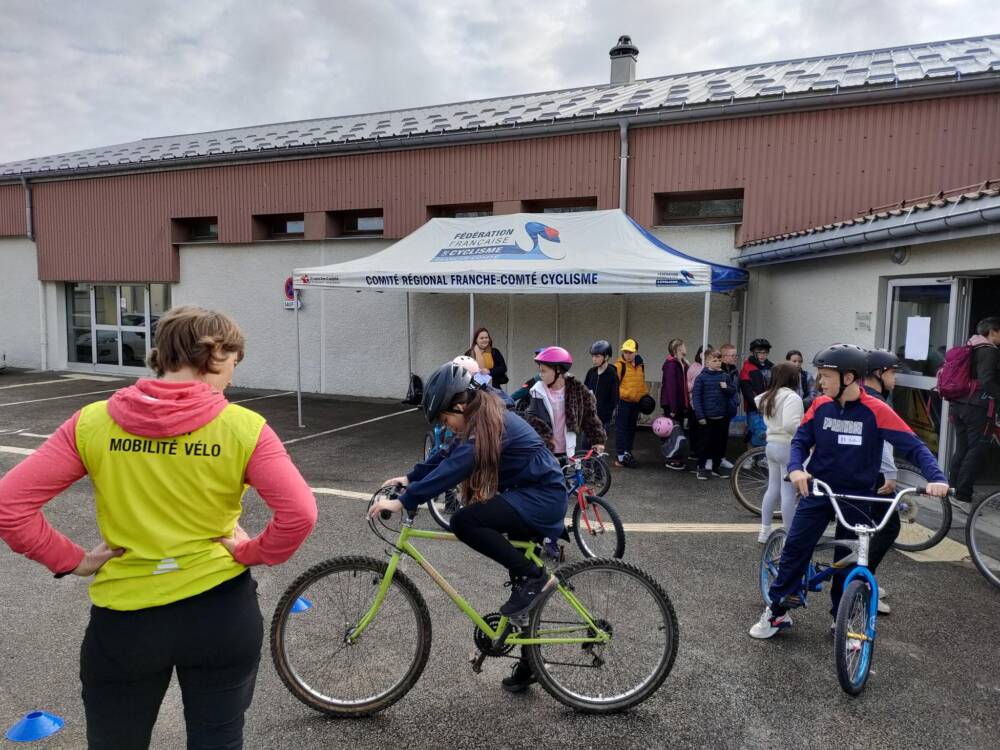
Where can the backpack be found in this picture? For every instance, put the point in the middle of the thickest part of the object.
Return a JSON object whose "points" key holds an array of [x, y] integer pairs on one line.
{"points": [[415, 392], [954, 379]]}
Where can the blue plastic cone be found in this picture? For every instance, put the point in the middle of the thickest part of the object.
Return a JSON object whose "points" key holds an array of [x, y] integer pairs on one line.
{"points": [[301, 605], [34, 726]]}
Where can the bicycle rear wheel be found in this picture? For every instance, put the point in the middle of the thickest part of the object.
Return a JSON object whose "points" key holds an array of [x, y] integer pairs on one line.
{"points": [[428, 443], [309, 632], [982, 535], [622, 601], [853, 642], [769, 559], [924, 520], [748, 480], [597, 528]]}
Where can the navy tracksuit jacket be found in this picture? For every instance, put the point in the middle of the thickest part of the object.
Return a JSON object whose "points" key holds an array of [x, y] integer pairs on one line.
{"points": [[847, 455]]}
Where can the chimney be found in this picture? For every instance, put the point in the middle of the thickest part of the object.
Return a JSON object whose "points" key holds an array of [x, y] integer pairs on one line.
{"points": [[623, 58]]}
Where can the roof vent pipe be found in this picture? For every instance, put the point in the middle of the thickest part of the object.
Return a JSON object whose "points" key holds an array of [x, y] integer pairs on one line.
{"points": [[623, 59]]}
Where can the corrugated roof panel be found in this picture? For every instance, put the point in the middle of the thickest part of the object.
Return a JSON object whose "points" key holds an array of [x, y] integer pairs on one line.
{"points": [[835, 74]]}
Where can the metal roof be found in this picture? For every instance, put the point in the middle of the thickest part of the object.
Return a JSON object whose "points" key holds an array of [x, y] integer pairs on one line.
{"points": [[790, 83], [966, 211]]}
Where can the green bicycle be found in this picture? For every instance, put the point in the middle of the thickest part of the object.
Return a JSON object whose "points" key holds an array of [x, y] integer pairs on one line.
{"points": [[351, 635]]}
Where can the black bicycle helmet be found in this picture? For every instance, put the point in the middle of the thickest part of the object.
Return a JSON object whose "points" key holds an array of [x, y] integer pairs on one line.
{"points": [[441, 388], [881, 359], [843, 358], [601, 347], [760, 344]]}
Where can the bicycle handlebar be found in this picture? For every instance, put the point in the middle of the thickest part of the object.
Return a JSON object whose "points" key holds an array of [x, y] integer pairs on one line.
{"points": [[821, 489]]}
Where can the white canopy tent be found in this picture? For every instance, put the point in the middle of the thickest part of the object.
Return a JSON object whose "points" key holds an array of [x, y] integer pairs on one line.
{"points": [[594, 252]]}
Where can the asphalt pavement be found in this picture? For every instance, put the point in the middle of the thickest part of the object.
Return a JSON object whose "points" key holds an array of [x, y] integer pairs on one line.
{"points": [[935, 681]]}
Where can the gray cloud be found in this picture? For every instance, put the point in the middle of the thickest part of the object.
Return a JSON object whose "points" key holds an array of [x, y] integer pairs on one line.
{"points": [[77, 74]]}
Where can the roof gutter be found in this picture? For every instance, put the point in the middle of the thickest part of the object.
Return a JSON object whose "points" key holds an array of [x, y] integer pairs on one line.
{"points": [[978, 84], [973, 221]]}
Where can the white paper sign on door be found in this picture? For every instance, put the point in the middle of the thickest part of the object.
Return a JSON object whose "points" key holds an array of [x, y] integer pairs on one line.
{"points": [[918, 338]]}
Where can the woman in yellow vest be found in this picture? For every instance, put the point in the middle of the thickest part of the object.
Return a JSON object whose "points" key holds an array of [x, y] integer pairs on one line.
{"points": [[169, 460], [631, 388]]}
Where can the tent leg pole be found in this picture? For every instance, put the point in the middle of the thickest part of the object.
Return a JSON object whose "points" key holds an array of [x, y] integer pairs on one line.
{"points": [[298, 361], [708, 312], [472, 315], [557, 321], [622, 319], [409, 351]]}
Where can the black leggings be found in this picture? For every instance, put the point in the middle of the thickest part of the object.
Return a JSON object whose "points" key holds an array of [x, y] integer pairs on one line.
{"points": [[127, 658], [482, 526]]}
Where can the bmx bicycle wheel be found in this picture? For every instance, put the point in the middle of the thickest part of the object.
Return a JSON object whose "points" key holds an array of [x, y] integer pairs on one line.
{"points": [[444, 505], [748, 480], [770, 556], [622, 601], [310, 629], [982, 535], [597, 528], [596, 476], [852, 641], [924, 520]]}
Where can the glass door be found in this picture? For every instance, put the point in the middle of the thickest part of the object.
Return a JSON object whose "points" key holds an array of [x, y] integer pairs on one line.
{"points": [[920, 326], [120, 321]]}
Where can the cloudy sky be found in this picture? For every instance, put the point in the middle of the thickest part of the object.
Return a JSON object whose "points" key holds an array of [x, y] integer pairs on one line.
{"points": [[76, 74]]}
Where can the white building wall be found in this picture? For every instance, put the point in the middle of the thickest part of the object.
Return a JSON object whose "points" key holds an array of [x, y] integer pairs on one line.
{"points": [[19, 303], [810, 304], [355, 343]]}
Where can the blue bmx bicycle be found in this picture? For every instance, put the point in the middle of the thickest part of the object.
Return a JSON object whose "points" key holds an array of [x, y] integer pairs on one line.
{"points": [[854, 631]]}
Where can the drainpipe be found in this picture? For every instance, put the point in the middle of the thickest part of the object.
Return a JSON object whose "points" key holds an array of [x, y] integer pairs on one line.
{"points": [[43, 341], [623, 167]]}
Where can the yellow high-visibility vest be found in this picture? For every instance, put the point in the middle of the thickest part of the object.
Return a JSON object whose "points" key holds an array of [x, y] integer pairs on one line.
{"points": [[164, 501]]}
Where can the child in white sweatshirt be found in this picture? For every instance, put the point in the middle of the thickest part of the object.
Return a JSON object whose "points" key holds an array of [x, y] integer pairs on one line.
{"points": [[781, 407]]}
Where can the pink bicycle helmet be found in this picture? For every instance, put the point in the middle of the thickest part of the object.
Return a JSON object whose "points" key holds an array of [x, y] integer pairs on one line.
{"points": [[554, 355], [663, 426]]}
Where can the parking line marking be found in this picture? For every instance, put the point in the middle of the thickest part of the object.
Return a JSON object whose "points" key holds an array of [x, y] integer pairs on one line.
{"points": [[15, 449], [56, 398], [25, 385], [947, 550], [63, 379], [258, 398], [693, 528], [34, 435], [346, 427], [341, 493]]}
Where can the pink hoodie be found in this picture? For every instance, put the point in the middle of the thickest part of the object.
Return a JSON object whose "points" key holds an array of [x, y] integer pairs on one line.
{"points": [[154, 409]]}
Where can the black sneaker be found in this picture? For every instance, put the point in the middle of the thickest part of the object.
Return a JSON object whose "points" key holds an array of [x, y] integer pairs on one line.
{"points": [[629, 461], [674, 465], [525, 593], [720, 472], [521, 677], [703, 474]]}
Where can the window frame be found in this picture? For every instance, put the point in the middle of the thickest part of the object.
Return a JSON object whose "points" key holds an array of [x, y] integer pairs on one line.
{"points": [[663, 201]]}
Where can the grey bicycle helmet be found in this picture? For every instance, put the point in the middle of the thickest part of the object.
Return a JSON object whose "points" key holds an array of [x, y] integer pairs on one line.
{"points": [[601, 347], [441, 388], [881, 359]]}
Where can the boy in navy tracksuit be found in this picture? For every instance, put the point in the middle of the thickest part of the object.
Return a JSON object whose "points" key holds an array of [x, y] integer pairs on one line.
{"points": [[847, 428], [715, 402]]}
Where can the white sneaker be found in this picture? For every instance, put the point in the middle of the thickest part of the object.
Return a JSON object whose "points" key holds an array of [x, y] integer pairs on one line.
{"points": [[768, 625], [883, 607], [883, 592], [726, 463], [765, 532]]}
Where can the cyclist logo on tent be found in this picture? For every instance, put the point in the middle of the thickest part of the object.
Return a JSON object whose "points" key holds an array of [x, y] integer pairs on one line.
{"points": [[489, 249]]}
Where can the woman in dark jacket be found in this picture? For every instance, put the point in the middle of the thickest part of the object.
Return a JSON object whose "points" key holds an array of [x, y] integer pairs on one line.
{"points": [[488, 358]]}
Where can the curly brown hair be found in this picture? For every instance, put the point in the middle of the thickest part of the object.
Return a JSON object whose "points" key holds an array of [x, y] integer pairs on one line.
{"points": [[191, 336]]}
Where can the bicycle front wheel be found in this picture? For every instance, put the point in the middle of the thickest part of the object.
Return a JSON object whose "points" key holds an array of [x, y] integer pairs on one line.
{"points": [[597, 528], [770, 556], [748, 480], [596, 475], [314, 656], [982, 535], [924, 520], [444, 506], [623, 602], [853, 642]]}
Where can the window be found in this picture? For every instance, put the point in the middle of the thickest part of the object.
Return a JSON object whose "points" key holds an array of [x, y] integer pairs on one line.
{"points": [[560, 205], [716, 207], [366, 223], [462, 211], [279, 227], [201, 229]]}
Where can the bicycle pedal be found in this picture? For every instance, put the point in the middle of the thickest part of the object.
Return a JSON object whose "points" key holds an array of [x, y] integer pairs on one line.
{"points": [[476, 658]]}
